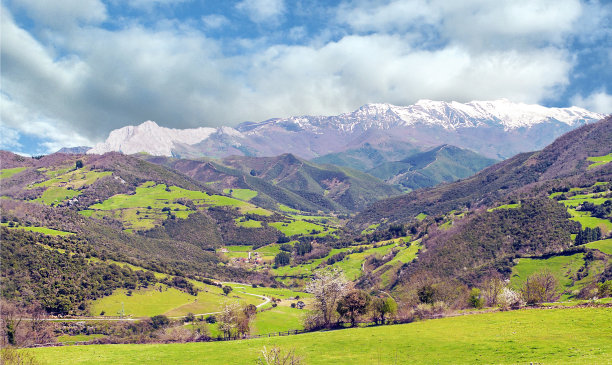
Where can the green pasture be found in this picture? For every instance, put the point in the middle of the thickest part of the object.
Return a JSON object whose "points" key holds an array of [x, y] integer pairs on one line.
{"points": [[143, 209], [371, 228], [278, 319], [563, 268], [604, 246], [74, 179], [242, 194], [298, 227], [148, 302], [43, 230], [544, 336], [55, 195], [600, 160], [506, 206], [7, 173], [585, 219]]}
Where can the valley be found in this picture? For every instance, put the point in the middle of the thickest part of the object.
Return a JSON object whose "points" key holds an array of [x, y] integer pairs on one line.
{"points": [[143, 251]]}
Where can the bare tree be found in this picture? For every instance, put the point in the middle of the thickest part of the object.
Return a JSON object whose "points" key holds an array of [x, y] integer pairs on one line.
{"points": [[540, 287], [327, 287], [275, 356], [236, 319]]}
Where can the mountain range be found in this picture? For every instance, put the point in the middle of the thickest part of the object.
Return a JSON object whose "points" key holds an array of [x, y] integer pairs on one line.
{"points": [[496, 129]]}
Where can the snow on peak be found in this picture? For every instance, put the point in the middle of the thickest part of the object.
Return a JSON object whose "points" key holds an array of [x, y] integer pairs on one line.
{"points": [[150, 138]]}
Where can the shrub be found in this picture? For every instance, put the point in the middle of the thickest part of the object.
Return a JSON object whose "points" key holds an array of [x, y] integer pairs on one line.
{"points": [[159, 321], [540, 287], [475, 300], [275, 356], [509, 299]]}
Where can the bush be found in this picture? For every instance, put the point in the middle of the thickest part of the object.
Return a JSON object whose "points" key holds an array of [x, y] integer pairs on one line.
{"points": [[282, 259], [159, 321], [475, 300], [509, 299], [540, 287]]}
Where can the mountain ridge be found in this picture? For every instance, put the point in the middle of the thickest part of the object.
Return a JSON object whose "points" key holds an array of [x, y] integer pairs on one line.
{"points": [[497, 129]]}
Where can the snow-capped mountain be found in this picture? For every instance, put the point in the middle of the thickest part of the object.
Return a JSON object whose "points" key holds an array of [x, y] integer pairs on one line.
{"points": [[151, 138], [497, 129]]}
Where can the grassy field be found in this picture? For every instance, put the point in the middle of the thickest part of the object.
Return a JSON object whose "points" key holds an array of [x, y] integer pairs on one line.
{"points": [[568, 336], [505, 206], [43, 230], [600, 160], [279, 319], [242, 194], [604, 246], [144, 209], [169, 301], [75, 179], [55, 195], [298, 227], [585, 219], [562, 267], [6, 173]]}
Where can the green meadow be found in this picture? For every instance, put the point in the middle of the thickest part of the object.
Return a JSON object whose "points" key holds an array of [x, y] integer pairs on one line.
{"points": [[298, 227], [161, 299], [145, 208], [54, 195], [562, 267], [7, 173], [545, 336], [43, 230], [604, 246], [600, 160], [242, 194]]}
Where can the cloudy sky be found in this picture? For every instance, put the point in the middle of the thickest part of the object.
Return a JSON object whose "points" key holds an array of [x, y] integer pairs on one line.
{"points": [[73, 70]]}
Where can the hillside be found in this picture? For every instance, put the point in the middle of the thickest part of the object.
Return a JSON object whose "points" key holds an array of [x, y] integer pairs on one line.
{"points": [[441, 164], [565, 158], [342, 187], [286, 181], [509, 220]]}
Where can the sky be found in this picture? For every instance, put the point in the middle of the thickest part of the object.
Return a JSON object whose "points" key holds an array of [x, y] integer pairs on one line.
{"points": [[73, 70]]}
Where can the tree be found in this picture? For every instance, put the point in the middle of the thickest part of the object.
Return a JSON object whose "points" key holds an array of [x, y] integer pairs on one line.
{"points": [[276, 356], [491, 290], [235, 319], [282, 259], [382, 307], [327, 286], [159, 321], [79, 164], [539, 287], [227, 289], [353, 304]]}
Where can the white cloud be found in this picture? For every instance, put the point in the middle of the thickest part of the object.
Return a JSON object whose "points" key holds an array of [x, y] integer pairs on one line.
{"points": [[60, 14], [382, 68], [477, 23], [9, 138], [18, 119], [173, 73], [262, 11], [599, 101], [214, 21]]}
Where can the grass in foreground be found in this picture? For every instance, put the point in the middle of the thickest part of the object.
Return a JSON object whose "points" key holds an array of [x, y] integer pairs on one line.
{"points": [[568, 336]]}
